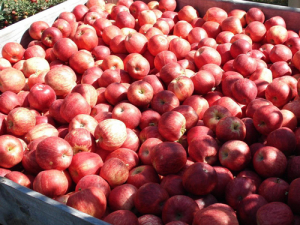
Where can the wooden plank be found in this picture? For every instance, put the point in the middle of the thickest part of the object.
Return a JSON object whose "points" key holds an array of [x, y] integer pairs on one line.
{"points": [[18, 32], [23, 206], [289, 14]]}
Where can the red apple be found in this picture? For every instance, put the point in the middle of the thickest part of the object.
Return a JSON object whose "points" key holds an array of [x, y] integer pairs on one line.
{"points": [[269, 162], [11, 151], [274, 213], [173, 153]]}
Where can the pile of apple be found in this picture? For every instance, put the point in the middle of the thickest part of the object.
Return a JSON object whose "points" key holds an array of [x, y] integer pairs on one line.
{"points": [[137, 114]]}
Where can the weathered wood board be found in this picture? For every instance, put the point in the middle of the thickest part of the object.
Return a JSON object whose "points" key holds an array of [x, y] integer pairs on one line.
{"points": [[22, 206]]}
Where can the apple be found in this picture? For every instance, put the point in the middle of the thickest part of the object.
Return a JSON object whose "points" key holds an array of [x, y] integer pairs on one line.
{"points": [[141, 175], [274, 189], [11, 80], [163, 58], [206, 55], [288, 145], [245, 64], [19, 178], [110, 134], [203, 81], [248, 208], [203, 148], [182, 29], [120, 217], [214, 214], [255, 14], [237, 189], [256, 30], [232, 24], [199, 178], [37, 28], [214, 114], [277, 35], [269, 162], [73, 105], [61, 79], [173, 184], [11, 150], [150, 198], [244, 91], [269, 213], [215, 14], [293, 199], [127, 113], [50, 36], [13, 52], [8, 101], [212, 29], [280, 52], [58, 186], [93, 181], [34, 51], [179, 208], [173, 153], [54, 153], [84, 163], [91, 201], [19, 121], [224, 175], [230, 128], [150, 218], [267, 118], [41, 130], [80, 61]]}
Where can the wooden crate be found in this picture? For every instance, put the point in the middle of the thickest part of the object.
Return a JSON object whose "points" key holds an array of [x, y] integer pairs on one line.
{"points": [[19, 205]]}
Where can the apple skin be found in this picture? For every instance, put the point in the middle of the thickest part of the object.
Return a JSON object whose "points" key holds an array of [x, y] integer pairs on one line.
{"points": [[73, 105], [93, 181], [19, 121], [213, 115], [276, 35], [13, 52], [199, 178], [224, 175], [269, 162], [190, 115], [293, 198], [2, 124], [215, 14], [145, 149], [150, 198], [244, 91], [275, 213], [164, 101], [121, 197], [235, 155], [140, 93], [150, 218], [58, 186], [19, 178], [237, 189], [203, 81], [216, 214], [283, 139], [114, 171], [121, 217], [141, 175], [267, 118], [129, 157], [106, 131], [244, 64], [84, 163], [12, 80], [240, 46], [230, 128], [8, 101], [204, 148], [127, 113], [14, 155], [54, 153], [173, 184], [206, 55], [41, 97], [91, 201], [179, 208], [168, 128], [173, 153], [274, 189], [248, 208]]}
